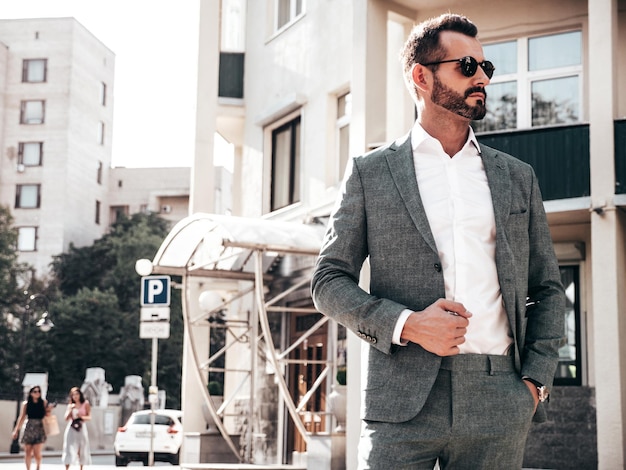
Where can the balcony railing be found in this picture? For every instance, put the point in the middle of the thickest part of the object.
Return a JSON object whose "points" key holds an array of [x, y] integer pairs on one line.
{"points": [[559, 155]]}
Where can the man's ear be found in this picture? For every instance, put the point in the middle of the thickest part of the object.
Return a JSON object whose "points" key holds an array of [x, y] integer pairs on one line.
{"points": [[421, 77]]}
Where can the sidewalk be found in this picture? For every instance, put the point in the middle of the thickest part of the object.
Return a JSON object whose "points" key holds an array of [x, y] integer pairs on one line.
{"points": [[50, 453]]}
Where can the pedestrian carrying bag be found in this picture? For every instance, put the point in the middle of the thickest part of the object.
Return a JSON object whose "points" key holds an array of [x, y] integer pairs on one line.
{"points": [[50, 425]]}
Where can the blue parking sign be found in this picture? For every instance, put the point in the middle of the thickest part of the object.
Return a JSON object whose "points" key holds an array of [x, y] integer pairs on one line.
{"points": [[155, 291]]}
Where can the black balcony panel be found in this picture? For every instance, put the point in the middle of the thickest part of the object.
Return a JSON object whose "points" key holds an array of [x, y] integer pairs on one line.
{"points": [[231, 75], [559, 155], [620, 156]]}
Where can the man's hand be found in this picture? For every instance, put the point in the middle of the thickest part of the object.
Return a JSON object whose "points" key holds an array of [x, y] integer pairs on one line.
{"points": [[439, 328]]}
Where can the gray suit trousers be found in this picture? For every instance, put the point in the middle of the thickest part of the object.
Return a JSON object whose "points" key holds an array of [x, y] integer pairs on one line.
{"points": [[477, 416]]}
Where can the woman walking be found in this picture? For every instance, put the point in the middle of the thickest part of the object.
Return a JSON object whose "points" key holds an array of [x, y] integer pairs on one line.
{"points": [[76, 439], [34, 408]]}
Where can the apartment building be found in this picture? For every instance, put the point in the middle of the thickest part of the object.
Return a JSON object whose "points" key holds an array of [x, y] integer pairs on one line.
{"points": [[303, 86], [55, 133], [56, 120]]}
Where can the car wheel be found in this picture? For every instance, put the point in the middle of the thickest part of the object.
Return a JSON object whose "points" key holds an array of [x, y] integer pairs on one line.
{"points": [[175, 460], [120, 461]]}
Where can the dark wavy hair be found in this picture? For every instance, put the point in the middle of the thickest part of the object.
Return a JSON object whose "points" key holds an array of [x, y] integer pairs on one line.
{"points": [[423, 45], [80, 392]]}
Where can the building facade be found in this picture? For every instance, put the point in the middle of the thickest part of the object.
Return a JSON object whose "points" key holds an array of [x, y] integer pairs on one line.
{"points": [[55, 134], [304, 86], [56, 121]]}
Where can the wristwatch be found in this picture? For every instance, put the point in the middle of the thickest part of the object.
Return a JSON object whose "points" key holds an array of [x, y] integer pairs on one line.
{"points": [[542, 390]]}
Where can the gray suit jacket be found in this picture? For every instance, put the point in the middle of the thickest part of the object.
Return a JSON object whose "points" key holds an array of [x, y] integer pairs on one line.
{"points": [[380, 215]]}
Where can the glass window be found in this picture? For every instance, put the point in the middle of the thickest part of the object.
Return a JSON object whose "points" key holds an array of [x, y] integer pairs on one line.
{"points": [[34, 70], [555, 101], [27, 196], [98, 212], [30, 153], [570, 363], [32, 112], [556, 50], [100, 136], [287, 11], [537, 82], [103, 94], [285, 186], [99, 173], [344, 111], [503, 55], [501, 108], [27, 239]]}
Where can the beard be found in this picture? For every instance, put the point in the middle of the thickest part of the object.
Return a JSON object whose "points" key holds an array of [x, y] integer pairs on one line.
{"points": [[455, 102]]}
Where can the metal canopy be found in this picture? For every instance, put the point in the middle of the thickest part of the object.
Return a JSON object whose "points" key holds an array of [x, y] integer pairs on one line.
{"points": [[242, 249], [224, 244]]}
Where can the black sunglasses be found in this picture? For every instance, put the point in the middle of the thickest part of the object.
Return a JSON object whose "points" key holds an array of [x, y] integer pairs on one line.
{"points": [[469, 65]]}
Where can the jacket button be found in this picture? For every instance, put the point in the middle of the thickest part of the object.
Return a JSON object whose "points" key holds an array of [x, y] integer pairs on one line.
{"points": [[438, 267]]}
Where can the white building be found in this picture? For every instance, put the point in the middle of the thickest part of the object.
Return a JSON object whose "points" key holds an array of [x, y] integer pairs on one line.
{"points": [[55, 134]]}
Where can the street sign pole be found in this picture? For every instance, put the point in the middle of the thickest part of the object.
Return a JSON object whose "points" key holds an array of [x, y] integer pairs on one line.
{"points": [[154, 323], [152, 396]]}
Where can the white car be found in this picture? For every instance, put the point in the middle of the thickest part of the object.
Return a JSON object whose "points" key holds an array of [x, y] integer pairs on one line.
{"points": [[132, 441]]}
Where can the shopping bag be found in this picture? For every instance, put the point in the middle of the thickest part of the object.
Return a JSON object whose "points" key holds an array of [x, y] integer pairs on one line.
{"points": [[51, 425]]}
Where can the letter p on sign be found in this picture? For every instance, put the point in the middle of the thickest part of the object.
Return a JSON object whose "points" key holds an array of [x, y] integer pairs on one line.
{"points": [[155, 291]]}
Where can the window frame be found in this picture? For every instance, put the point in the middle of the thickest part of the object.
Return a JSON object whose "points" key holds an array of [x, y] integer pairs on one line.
{"points": [[294, 123], [20, 154], [103, 94], [26, 69], [578, 362], [524, 79], [342, 124], [98, 211], [19, 203], [293, 14], [20, 231], [23, 112]]}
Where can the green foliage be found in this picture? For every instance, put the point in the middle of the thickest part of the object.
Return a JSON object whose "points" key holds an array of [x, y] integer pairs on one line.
{"points": [[97, 314]]}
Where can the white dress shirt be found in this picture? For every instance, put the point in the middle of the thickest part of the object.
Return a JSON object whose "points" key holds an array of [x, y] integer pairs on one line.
{"points": [[457, 201]]}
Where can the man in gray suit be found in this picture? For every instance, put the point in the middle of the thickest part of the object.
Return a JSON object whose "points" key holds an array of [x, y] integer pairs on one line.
{"points": [[464, 314]]}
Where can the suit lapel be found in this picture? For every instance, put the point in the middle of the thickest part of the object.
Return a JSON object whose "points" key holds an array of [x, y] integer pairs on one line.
{"points": [[499, 182], [400, 161]]}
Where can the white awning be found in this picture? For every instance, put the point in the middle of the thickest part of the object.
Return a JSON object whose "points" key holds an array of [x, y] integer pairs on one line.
{"points": [[221, 246]]}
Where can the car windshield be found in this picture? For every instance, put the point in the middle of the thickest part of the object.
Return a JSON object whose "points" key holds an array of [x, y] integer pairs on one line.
{"points": [[158, 419]]}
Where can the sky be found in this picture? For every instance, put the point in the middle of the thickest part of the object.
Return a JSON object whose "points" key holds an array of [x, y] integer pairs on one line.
{"points": [[156, 47]]}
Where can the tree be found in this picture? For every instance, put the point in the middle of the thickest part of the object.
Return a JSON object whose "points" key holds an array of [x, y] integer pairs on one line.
{"points": [[14, 279], [98, 311]]}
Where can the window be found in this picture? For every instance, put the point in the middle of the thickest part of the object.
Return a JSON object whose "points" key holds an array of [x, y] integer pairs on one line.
{"points": [[100, 137], [118, 213], [570, 363], [285, 165], [27, 196], [344, 111], [30, 153], [538, 82], [34, 70], [287, 11], [27, 239], [98, 212], [103, 93], [32, 112], [99, 173]]}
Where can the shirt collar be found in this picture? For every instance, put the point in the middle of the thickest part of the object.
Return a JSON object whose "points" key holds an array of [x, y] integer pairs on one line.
{"points": [[420, 137]]}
